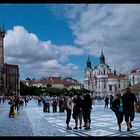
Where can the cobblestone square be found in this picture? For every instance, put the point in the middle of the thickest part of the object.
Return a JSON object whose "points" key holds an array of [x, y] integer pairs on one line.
{"points": [[32, 121]]}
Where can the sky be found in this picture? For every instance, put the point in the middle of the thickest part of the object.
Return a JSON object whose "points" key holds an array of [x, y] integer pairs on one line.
{"points": [[56, 39]]}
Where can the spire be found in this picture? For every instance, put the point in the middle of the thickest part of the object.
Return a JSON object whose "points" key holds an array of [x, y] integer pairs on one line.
{"points": [[102, 58], [114, 71], [89, 63]]}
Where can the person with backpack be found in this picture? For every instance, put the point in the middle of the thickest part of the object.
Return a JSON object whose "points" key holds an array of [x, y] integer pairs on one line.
{"points": [[117, 108], [69, 111], [129, 99], [86, 108]]}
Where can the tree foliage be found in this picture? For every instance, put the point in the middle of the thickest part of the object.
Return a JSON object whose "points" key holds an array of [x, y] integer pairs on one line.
{"points": [[32, 90]]}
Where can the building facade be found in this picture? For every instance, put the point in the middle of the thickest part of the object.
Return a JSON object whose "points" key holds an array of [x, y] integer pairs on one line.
{"points": [[134, 76], [11, 79], [101, 81], [9, 73]]}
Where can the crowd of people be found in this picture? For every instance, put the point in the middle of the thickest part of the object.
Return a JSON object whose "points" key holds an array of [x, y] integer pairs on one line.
{"points": [[15, 103], [78, 106]]}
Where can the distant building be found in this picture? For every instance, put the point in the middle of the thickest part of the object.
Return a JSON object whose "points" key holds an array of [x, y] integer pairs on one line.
{"points": [[134, 76], [11, 79], [101, 81], [56, 82], [9, 73]]}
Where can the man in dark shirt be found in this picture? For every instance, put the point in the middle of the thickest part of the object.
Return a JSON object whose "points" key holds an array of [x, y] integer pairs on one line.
{"points": [[128, 106]]}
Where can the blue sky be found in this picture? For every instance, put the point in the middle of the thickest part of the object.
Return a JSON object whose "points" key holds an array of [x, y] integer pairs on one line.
{"points": [[56, 39]]}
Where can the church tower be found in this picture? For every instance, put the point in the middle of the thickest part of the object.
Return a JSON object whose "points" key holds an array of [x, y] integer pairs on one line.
{"points": [[2, 35], [102, 58]]}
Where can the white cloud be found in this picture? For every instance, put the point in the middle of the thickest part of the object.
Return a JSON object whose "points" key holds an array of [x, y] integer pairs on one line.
{"points": [[52, 67], [113, 28], [64, 51], [43, 57], [24, 47]]}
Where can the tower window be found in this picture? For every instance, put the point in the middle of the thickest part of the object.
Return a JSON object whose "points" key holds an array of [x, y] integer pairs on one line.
{"points": [[104, 85], [110, 87]]}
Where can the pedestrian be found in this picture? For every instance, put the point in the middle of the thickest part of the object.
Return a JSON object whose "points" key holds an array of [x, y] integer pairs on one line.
{"points": [[12, 111], [83, 112], [39, 100], [17, 103], [61, 103], [48, 102], [54, 104], [117, 107], [86, 108], [111, 100], [106, 102], [77, 111], [69, 110], [45, 104], [25, 100], [129, 99]]}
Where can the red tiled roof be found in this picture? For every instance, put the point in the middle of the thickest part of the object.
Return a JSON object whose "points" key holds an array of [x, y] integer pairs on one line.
{"points": [[54, 80], [133, 71], [111, 75]]}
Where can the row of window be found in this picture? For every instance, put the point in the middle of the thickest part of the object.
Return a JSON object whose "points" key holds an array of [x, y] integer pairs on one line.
{"points": [[101, 72]]}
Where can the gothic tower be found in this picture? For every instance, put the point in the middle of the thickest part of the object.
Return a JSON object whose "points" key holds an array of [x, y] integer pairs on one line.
{"points": [[2, 35]]}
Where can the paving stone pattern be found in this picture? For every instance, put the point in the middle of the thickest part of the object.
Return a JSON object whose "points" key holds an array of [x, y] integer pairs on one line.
{"points": [[32, 121]]}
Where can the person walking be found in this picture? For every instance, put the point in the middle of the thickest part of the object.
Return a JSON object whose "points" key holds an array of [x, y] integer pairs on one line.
{"points": [[48, 102], [117, 107], [106, 102], [129, 99], [69, 111], [111, 100], [77, 111], [12, 111], [83, 112], [86, 108], [54, 104]]}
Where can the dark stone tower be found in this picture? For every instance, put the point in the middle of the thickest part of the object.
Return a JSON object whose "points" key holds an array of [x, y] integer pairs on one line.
{"points": [[2, 35]]}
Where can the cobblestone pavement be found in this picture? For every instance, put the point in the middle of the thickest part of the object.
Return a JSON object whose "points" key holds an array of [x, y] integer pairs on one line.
{"points": [[32, 121]]}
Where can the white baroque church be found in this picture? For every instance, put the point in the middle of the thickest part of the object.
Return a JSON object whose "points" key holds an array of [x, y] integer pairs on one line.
{"points": [[101, 81]]}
